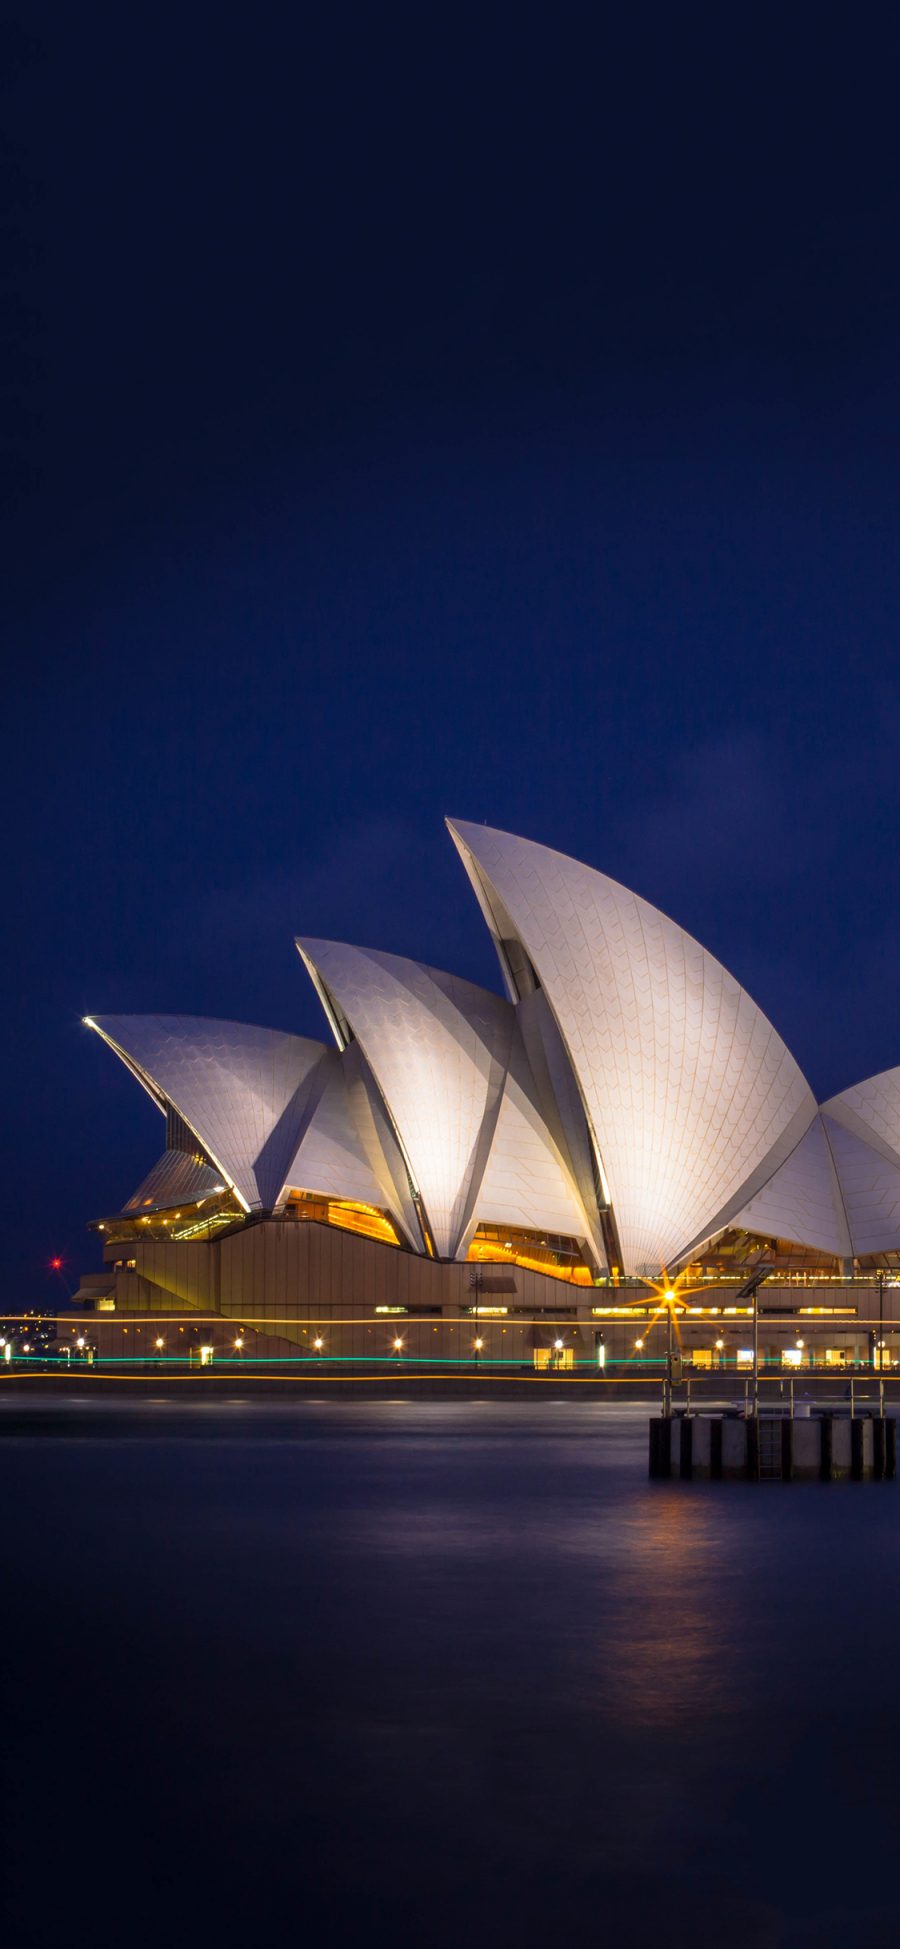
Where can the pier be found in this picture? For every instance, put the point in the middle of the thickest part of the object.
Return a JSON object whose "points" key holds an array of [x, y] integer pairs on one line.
{"points": [[811, 1447]]}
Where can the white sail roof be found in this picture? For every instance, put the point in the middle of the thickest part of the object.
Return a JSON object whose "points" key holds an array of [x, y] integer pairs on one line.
{"points": [[693, 1098], [438, 1048], [240, 1089], [628, 1094], [803, 1200], [526, 1181], [863, 1126], [342, 1154]]}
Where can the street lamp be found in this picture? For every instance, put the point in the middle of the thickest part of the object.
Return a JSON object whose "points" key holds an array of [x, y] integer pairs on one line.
{"points": [[318, 1343], [398, 1345]]}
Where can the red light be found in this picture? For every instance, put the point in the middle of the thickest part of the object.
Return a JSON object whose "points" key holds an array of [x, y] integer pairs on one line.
{"points": [[56, 1265]]}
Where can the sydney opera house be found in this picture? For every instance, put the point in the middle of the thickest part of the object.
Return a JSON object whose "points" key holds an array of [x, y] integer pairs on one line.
{"points": [[624, 1115]]}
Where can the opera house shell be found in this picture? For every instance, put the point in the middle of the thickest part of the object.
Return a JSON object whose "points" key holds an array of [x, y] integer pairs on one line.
{"points": [[623, 1111]]}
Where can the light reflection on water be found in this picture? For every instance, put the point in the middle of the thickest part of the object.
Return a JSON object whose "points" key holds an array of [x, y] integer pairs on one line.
{"points": [[670, 1618], [439, 1671]]}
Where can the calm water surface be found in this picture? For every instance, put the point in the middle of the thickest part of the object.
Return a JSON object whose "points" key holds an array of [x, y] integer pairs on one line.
{"points": [[438, 1673]]}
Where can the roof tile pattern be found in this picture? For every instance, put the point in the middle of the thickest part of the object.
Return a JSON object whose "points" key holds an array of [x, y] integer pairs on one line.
{"points": [[438, 1048], [331, 1156], [863, 1125], [379, 1146], [870, 1185], [560, 1100], [175, 1179], [240, 1089], [691, 1092], [803, 1201], [526, 1181]]}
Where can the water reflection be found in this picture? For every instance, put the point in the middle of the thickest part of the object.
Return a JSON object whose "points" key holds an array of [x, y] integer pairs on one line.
{"points": [[455, 1672], [669, 1624]]}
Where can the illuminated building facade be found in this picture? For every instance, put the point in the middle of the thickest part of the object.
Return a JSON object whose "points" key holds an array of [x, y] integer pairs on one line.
{"points": [[623, 1116]]}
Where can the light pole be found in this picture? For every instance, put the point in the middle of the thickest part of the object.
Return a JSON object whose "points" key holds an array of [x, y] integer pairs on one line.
{"points": [[756, 1350], [475, 1287]]}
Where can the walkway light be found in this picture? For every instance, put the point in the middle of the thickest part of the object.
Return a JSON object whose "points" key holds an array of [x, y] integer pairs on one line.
{"points": [[239, 1342], [478, 1345], [160, 1344], [319, 1343], [398, 1346], [639, 1346]]}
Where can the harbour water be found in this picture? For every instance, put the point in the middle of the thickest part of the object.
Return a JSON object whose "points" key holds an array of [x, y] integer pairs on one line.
{"points": [[439, 1673]]}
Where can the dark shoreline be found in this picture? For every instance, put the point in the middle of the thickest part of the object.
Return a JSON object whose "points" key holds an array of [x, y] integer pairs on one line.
{"points": [[305, 1385]]}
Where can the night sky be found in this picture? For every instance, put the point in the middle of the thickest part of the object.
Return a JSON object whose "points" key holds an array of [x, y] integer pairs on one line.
{"points": [[413, 411]]}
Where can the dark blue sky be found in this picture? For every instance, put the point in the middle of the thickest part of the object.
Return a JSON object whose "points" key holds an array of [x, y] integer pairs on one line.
{"points": [[412, 411]]}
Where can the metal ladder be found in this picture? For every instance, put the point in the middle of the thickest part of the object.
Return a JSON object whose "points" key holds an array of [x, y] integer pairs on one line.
{"points": [[769, 1449]]}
